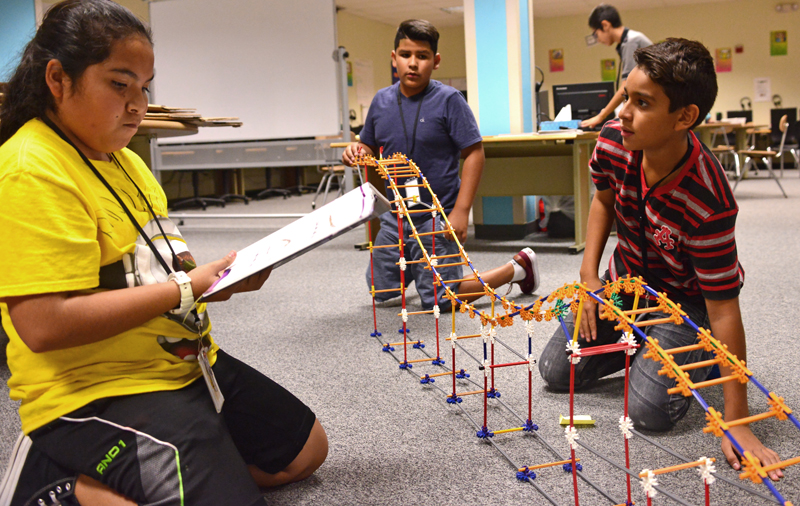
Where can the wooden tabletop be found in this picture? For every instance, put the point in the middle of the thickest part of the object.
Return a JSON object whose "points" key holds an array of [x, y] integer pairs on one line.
{"points": [[160, 128]]}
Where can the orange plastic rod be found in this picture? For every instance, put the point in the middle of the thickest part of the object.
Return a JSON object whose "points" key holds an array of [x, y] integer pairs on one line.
{"points": [[781, 465], [421, 360], [503, 431], [542, 466], [469, 294], [704, 384], [657, 321], [641, 310], [670, 469], [441, 374], [387, 290], [472, 278], [444, 231], [750, 419], [698, 365], [473, 392], [437, 257], [410, 186], [427, 267], [684, 349], [417, 312], [386, 246], [464, 337], [420, 261], [417, 211]]}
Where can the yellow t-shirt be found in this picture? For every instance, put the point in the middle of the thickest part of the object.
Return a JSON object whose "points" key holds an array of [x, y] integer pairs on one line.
{"points": [[59, 226]]}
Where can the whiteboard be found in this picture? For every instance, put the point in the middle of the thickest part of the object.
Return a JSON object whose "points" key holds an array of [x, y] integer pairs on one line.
{"points": [[268, 62]]}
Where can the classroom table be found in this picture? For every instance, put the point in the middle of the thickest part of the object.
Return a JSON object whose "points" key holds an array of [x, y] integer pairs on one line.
{"points": [[535, 164], [539, 164]]}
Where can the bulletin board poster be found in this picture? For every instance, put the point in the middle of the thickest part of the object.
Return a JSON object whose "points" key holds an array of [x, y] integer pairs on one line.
{"points": [[608, 70], [778, 46], [556, 60], [349, 73], [724, 59]]}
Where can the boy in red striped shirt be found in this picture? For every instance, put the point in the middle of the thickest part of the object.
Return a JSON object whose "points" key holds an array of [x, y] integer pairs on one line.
{"points": [[670, 199]]}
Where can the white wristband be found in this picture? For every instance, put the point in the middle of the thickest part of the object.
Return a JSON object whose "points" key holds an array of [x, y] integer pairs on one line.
{"points": [[187, 296]]}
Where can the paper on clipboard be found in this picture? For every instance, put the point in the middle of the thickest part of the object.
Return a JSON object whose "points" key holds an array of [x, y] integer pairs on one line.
{"points": [[316, 228]]}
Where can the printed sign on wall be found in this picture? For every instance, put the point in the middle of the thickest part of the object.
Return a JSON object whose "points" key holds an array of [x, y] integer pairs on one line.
{"points": [[608, 70], [778, 46], [724, 59], [556, 60]]}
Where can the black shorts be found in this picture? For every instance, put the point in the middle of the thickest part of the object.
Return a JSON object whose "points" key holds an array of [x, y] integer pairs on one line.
{"points": [[171, 447]]}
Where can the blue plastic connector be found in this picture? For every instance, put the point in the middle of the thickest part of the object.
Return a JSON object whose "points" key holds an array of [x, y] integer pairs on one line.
{"points": [[492, 393], [452, 399], [427, 379], [418, 345], [484, 433], [568, 467], [529, 426], [406, 365], [400, 330], [526, 475], [375, 334], [462, 374], [387, 348], [437, 361]]}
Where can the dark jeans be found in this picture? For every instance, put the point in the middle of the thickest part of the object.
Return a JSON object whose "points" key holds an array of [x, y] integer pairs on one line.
{"points": [[387, 272], [649, 405]]}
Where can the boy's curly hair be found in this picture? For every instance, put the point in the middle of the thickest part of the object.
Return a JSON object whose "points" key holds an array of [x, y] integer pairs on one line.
{"points": [[685, 71]]}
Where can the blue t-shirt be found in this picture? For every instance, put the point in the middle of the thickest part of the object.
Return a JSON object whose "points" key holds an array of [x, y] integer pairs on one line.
{"points": [[445, 126]]}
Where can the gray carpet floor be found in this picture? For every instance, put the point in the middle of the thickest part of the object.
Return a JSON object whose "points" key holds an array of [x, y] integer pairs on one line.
{"points": [[393, 440]]}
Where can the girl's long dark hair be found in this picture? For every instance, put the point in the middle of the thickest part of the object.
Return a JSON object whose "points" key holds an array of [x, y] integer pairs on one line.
{"points": [[77, 33]]}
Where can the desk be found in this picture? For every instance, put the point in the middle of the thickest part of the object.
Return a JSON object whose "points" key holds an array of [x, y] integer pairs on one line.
{"points": [[533, 164]]}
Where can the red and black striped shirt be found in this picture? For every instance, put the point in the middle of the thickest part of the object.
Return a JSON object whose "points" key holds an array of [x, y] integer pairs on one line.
{"points": [[689, 227]]}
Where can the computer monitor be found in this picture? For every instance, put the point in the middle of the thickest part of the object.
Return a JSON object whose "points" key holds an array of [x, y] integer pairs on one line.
{"points": [[775, 116], [747, 115], [586, 99]]}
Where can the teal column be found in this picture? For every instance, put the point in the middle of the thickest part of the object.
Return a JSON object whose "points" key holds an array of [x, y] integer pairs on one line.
{"points": [[17, 27], [499, 50]]}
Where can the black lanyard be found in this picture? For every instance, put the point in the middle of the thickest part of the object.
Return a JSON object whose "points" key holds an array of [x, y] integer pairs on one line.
{"points": [[175, 260], [410, 151], [642, 204]]}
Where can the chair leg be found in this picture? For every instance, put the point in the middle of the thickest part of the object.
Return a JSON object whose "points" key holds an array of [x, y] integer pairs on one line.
{"points": [[322, 182], [768, 163], [327, 189], [746, 167]]}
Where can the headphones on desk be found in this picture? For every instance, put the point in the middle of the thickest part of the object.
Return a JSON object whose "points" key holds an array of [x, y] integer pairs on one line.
{"points": [[745, 103]]}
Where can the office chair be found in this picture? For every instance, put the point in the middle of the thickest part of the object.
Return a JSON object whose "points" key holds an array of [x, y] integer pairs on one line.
{"points": [[766, 156], [328, 175], [196, 199], [726, 150]]}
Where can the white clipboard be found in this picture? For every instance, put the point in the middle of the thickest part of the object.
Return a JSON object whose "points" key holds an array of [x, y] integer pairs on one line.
{"points": [[316, 228]]}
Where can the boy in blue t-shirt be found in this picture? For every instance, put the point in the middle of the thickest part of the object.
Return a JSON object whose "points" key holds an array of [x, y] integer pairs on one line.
{"points": [[432, 124]]}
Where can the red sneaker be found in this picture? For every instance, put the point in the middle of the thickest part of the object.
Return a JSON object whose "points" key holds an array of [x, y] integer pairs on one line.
{"points": [[527, 259]]}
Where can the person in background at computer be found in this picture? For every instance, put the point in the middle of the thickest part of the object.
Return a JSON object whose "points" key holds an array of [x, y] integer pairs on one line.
{"points": [[607, 27]]}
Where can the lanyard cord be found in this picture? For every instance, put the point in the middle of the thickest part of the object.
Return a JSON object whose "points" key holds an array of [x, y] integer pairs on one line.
{"points": [[176, 261], [643, 221], [416, 122], [149, 242]]}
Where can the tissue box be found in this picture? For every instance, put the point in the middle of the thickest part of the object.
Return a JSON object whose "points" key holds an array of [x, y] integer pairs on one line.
{"points": [[560, 125]]}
